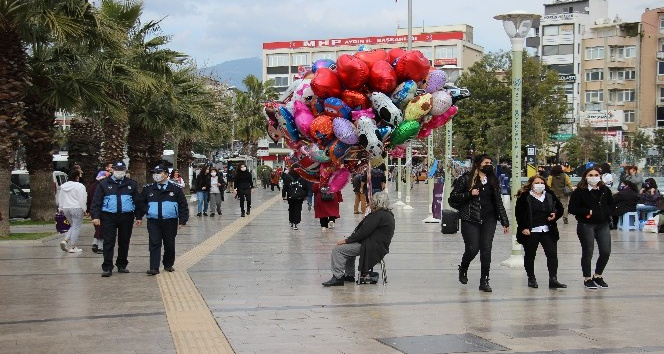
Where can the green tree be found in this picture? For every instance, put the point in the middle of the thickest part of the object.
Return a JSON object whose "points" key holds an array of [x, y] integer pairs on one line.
{"points": [[586, 146], [638, 145], [248, 107]]}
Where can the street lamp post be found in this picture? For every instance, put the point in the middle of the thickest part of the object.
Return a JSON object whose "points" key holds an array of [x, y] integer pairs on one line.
{"points": [[517, 24], [409, 149], [452, 72]]}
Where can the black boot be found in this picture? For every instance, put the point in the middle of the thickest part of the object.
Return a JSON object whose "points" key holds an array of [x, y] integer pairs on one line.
{"points": [[532, 282], [484, 285], [555, 284], [463, 275]]}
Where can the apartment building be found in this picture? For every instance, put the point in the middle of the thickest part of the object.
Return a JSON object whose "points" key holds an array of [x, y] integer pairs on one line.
{"points": [[442, 45], [651, 88]]}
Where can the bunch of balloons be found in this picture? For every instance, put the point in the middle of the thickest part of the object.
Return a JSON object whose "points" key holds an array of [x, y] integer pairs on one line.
{"points": [[343, 114]]}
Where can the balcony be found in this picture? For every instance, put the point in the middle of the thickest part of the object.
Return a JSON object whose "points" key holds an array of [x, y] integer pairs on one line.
{"points": [[660, 55]]}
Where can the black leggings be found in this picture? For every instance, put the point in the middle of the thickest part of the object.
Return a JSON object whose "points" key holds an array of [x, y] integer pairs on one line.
{"points": [[589, 233], [550, 250], [295, 210], [326, 220], [244, 195], [478, 238]]}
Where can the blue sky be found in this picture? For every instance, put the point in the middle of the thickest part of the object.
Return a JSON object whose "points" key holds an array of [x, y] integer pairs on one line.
{"points": [[214, 31]]}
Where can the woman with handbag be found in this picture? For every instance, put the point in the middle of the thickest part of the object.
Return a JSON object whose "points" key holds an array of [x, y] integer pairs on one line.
{"points": [[326, 205], [561, 185]]}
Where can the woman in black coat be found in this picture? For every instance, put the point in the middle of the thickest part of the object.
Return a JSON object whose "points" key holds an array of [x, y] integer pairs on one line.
{"points": [[592, 204], [370, 240], [476, 195], [624, 201], [537, 210], [244, 186]]}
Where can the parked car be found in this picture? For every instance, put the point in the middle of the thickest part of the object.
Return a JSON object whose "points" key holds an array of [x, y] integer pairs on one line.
{"points": [[21, 178], [19, 202]]}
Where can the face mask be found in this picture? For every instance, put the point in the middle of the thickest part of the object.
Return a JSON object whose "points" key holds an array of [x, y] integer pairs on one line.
{"points": [[119, 174], [487, 169], [243, 168], [593, 180], [539, 187], [621, 188], [213, 174], [157, 177]]}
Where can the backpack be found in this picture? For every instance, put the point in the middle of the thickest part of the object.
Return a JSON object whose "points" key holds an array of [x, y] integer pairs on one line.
{"points": [[296, 190], [325, 194]]}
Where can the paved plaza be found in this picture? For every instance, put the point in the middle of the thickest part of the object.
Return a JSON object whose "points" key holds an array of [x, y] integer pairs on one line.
{"points": [[252, 285]]}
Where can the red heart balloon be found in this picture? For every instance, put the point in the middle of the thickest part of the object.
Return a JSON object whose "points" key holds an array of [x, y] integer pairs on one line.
{"points": [[370, 57], [355, 99], [394, 54], [352, 71], [412, 66], [383, 78], [326, 83]]}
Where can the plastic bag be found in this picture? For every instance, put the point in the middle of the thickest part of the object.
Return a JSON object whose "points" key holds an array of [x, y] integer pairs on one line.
{"points": [[652, 224], [61, 223], [193, 198]]}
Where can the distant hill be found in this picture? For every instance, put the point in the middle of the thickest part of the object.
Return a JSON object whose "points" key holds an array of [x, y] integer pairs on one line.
{"points": [[233, 72]]}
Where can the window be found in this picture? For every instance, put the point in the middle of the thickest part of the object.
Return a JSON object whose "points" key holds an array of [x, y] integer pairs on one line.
{"points": [[569, 89], [630, 51], [562, 68], [661, 95], [660, 117], [630, 116], [594, 96], [300, 59], [622, 74], [623, 52], [444, 52], [606, 32], [661, 45], [550, 31], [618, 96], [324, 55], [568, 10], [349, 52], [594, 53], [277, 60], [660, 68], [661, 23], [280, 81], [563, 49], [427, 51], [594, 75]]}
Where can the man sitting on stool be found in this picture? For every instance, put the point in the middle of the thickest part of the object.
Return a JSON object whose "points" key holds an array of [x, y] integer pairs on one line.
{"points": [[370, 240]]}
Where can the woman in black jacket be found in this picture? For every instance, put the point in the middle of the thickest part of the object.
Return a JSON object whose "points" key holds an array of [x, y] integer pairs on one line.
{"points": [[592, 204], [244, 185], [202, 186], [624, 201], [476, 195], [537, 210]]}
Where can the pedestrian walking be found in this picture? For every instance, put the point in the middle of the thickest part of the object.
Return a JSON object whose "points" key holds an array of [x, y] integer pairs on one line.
{"points": [[114, 207], [295, 192], [561, 185], [275, 176], [326, 205], [537, 210], [167, 211], [217, 186], [177, 179], [244, 186], [72, 201], [378, 180], [266, 176], [477, 197], [230, 179], [370, 241], [98, 242], [360, 196], [202, 186], [592, 204], [310, 193]]}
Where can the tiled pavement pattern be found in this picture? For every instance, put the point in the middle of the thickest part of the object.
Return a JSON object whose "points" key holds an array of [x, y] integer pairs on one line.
{"points": [[261, 282]]}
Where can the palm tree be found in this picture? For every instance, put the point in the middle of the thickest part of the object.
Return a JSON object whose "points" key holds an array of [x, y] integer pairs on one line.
{"points": [[249, 105]]}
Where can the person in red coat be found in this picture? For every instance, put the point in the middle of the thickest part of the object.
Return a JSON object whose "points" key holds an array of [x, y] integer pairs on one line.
{"points": [[326, 206]]}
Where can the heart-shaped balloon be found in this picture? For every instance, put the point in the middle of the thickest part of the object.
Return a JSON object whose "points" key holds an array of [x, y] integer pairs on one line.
{"points": [[355, 99], [442, 119], [370, 57], [352, 72], [394, 54], [326, 83], [412, 66], [434, 81], [441, 101], [303, 119], [405, 131], [338, 179], [382, 77], [418, 107], [344, 130]]}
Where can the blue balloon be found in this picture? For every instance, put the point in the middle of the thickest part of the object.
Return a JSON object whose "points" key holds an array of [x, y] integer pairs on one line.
{"points": [[290, 123], [323, 63]]}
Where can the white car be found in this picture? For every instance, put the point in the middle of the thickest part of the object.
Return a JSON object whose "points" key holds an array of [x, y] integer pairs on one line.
{"points": [[21, 178]]}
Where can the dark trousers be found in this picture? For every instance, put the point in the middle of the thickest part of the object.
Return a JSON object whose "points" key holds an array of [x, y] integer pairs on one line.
{"points": [[244, 194], [295, 210], [98, 234], [272, 185], [589, 233], [478, 238], [326, 220], [550, 250], [160, 231], [117, 226]]}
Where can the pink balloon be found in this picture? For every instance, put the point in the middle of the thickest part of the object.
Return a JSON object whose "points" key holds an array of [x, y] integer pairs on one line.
{"points": [[440, 120], [338, 180], [363, 113], [425, 131], [303, 119]]}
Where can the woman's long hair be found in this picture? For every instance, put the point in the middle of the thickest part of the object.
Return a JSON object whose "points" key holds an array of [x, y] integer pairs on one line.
{"points": [[556, 170], [650, 182], [583, 183], [492, 180], [529, 185]]}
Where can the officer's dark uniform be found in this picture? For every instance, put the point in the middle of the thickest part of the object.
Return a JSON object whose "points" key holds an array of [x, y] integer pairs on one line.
{"points": [[114, 204], [166, 207]]}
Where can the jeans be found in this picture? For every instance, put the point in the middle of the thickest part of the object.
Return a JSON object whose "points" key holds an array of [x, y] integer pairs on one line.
{"points": [[478, 238], [203, 199], [589, 233], [644, 209], [75, 217], [550, 250]]}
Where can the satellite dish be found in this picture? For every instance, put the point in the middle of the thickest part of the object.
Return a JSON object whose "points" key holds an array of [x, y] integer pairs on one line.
{"points": [[599, 21]]}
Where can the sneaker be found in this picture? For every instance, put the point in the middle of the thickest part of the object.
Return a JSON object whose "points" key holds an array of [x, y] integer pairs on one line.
{"points": [[248, 212], [205, 214], [152, 272], [64, 246], [323, 228], [295, 227], [75, 250], [211, 215], [95, 248], [291, 225], [600, 282], [589, 284], [106, 273], [330, 224], [199, 215], [242, 215], [169, 269]]}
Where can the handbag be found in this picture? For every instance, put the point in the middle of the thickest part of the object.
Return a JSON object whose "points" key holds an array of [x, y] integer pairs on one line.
{"points": [[325, 194], [61, 223]]}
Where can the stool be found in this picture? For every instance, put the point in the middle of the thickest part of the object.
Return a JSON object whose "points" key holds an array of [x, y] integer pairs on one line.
{"points": [[651, 214], [629, 221], [372, 279]]}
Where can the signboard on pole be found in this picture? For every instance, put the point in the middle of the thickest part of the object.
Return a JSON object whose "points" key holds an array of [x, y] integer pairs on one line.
{"points": [[262, 152], [602, 119]]}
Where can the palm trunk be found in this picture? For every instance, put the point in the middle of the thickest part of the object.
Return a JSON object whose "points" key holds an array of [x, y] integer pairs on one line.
{"points": [[115, 134], [84, 138], [184, 158], [155, 152], [137, 146]]}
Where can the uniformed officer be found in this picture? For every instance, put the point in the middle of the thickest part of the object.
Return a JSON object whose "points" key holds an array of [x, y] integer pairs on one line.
{"points": [[167, 211], [114, 206]]}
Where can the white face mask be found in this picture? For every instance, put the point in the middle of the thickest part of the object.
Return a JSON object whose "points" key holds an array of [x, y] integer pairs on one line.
{"points": [[593, 180], [157, 177], [213, 174], [119, 174], [243, 168], [539, 187]]}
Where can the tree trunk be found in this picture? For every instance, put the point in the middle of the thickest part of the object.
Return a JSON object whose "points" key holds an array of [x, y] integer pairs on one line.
{"points": [[155, 152], [184, 158], [115, 134], [137, 146], [39, 158], [85, 136]]}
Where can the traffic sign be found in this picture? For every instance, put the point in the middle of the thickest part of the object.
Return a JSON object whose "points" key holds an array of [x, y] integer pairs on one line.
{"points": [[560, 137]]}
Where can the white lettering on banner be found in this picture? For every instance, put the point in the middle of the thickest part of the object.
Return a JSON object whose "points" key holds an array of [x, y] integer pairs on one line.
{"points": [[558, 17], [309, 43], [601, 119]]}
